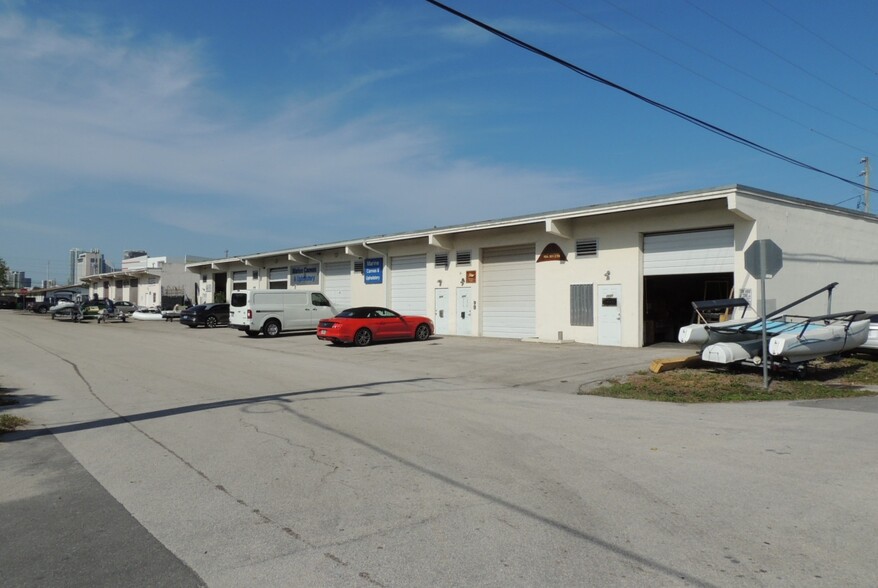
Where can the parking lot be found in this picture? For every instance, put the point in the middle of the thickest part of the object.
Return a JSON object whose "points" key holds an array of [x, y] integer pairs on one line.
{"points": [[455, 461]]}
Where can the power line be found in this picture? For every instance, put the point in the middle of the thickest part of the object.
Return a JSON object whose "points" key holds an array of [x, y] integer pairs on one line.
{"points": [[733, 68], [670, 110], [819, 36], [781, 57]]}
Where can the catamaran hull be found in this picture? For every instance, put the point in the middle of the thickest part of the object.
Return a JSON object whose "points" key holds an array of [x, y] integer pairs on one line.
{"points": [[700, 334], [819, 342], [728, 352]]}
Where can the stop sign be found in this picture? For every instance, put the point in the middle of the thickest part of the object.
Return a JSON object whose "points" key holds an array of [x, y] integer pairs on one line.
{"points": [[763, 259]]}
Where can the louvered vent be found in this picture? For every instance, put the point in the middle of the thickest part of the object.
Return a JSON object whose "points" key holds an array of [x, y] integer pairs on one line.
{"points": [[464, 257], [441, 260], [586, 247], [358, 267]]}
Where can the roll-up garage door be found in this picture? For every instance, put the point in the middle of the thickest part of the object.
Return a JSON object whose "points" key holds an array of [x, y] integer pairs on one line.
{"points": [[691, 252], [408, 284], [337, 284], [508, 292]]}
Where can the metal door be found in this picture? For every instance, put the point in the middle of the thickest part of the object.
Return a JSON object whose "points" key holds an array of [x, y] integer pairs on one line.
{"points": [[440, 313], [464, 314], [610, 314]]}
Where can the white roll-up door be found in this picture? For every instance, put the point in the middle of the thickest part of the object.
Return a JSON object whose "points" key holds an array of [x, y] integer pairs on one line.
{"points": [[408, 284], [508, 292], [337, 283], [691, 252]]}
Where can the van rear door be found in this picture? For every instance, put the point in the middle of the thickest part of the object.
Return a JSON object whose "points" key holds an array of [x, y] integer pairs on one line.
{"points": [[238, 310]]}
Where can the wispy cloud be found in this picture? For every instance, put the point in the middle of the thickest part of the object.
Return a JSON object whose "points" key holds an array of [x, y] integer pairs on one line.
{"points": [[84, 106]]}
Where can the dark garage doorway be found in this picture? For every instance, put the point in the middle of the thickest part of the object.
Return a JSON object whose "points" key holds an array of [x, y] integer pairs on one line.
{"points": [[667, 301]]}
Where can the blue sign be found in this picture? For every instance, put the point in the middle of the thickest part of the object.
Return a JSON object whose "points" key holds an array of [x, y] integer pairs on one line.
{"points": [[373, 270], [304, 274]]}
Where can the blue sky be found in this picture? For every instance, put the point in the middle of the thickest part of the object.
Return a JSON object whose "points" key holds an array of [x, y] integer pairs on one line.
{"points": [[210, 127]]}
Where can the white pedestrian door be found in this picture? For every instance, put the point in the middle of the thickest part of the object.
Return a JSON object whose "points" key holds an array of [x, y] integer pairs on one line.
{"points": [[440, 314], [610, 314], [464, 314]]}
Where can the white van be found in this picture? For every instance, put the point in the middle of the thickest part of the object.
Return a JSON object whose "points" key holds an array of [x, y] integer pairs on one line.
{"points": [[274, 311]]}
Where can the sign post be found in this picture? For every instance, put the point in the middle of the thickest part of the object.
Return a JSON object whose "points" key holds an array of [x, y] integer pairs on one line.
{"points": [[763, 259]]}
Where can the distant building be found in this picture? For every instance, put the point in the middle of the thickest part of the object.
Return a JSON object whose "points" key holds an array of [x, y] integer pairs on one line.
{"points": [[88, 263], [147, 281], [48, 284], [17, 280]]}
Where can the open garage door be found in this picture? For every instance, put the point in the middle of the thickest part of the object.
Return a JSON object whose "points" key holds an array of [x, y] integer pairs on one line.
{"points": [[679, 268], [509, 292]]}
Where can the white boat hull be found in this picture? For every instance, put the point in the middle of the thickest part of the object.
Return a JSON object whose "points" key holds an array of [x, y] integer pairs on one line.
{"points": [[726, 352], [699, 334], [819, 341], [146, 316]]}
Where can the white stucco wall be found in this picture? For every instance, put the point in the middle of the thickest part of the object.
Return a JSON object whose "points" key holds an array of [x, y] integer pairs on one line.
{"points": [[819, 247]]}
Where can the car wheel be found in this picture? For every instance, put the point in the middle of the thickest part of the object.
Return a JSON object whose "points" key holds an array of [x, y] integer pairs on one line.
{"points": [[251, 333], [271, 329], [363, 337], [210, 322], [42, 310], [422, 333]]}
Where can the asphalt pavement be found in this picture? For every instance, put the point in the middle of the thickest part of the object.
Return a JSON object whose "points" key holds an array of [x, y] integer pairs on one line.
{"points": [[61, 528], [161, 455]]}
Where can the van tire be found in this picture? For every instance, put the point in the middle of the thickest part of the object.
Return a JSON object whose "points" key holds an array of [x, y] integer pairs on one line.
{"points": [[362, 337], [271, 328], [422, 333]]}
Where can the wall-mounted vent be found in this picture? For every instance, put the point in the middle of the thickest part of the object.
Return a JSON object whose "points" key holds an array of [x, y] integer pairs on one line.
{"points": [[441, 260], [358, 267], [581, 306], [464, 257], [586, 247]]}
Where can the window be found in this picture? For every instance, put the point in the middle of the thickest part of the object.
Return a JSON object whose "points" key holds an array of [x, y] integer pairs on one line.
{"points": [[277, 278], [318, 299], [203, 277], [586, 247], [464, 257], [255, 274], [239, 280], [441, 260], [302, 275], [581, 305]]}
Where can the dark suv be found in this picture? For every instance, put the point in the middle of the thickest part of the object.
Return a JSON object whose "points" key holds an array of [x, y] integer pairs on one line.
{"points": [[209, 315]]}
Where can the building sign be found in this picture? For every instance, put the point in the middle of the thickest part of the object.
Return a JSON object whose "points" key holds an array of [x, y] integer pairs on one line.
{"points": [[373, 270], [304, 275], [552, 253], [471, 277]]}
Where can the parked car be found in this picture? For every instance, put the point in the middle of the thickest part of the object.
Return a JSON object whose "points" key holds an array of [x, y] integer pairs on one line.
{"points": [[274, 311], [871, 344], [44, 305], [209, 315], [365, 324], [124, 307]]}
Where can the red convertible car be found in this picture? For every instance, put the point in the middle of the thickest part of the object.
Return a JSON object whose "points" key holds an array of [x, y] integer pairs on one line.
{"points": [[365, 324]]}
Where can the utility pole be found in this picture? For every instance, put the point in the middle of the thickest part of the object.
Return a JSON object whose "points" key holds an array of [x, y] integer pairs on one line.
{"points": [[868, 191]]}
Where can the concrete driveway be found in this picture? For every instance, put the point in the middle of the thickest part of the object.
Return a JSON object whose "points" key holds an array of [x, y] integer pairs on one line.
{"points": [[451, 462]]}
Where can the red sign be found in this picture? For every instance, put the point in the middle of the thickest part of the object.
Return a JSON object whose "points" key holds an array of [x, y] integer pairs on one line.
{"points": [[470, 277]]}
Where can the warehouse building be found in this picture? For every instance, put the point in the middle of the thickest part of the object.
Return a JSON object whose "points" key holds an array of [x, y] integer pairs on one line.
{"points": [[623, 273]]}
